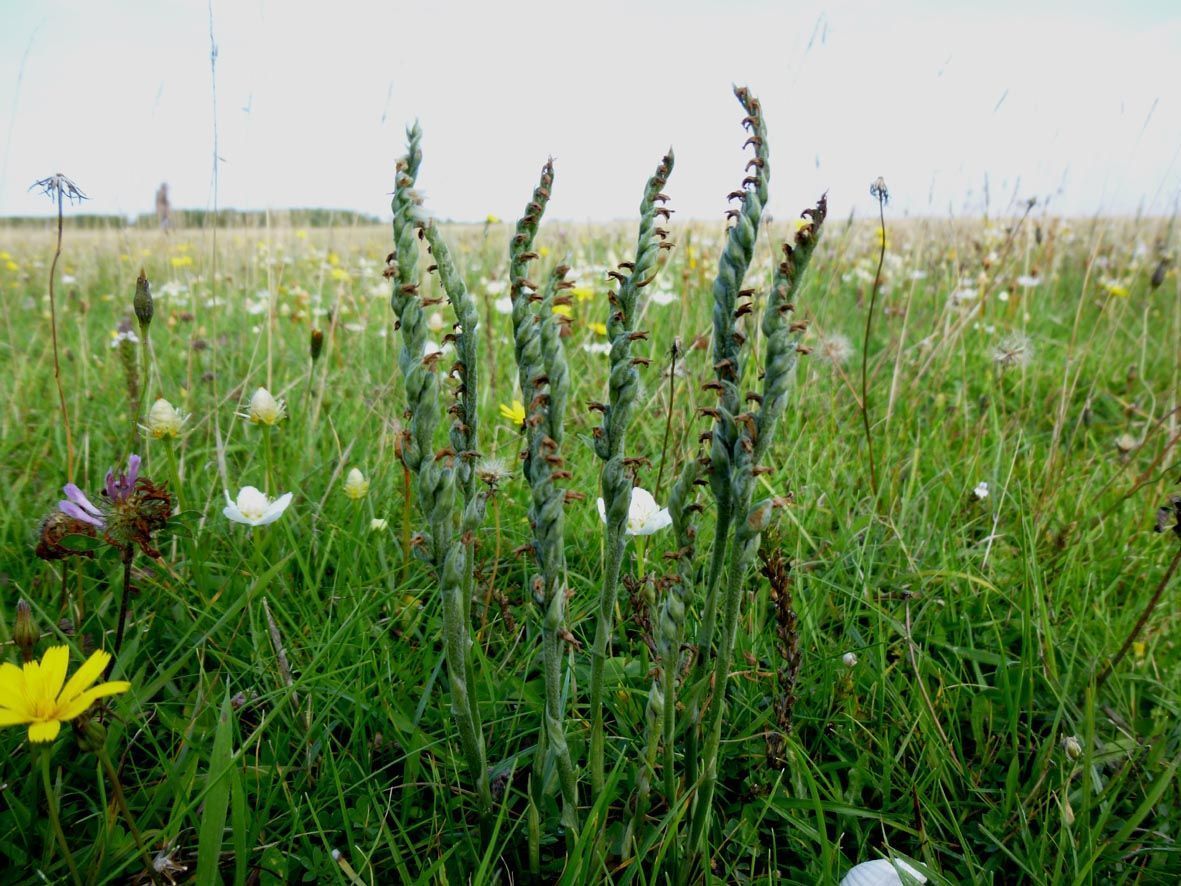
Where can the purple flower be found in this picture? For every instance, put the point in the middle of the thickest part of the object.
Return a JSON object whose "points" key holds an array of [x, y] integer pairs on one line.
{"points": [[78, 506], [120, 486]]}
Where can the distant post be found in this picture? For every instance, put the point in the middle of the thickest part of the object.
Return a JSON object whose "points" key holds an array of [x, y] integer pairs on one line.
{"points": [[163, 207]]}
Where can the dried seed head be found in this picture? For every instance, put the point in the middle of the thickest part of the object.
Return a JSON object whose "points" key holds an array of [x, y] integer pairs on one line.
{"points": [[316, 346]]}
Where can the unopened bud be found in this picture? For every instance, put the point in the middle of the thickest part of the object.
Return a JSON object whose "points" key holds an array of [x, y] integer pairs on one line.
{"points": [[317, 344], [90, 734], [144, 307], [25, 633], [1072, 747]]}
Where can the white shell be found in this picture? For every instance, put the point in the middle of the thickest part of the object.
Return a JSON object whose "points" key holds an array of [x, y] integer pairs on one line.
{"points": [[882, 872]]}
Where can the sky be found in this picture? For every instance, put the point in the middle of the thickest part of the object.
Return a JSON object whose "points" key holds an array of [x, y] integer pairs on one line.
{"points": [[960, 106]]}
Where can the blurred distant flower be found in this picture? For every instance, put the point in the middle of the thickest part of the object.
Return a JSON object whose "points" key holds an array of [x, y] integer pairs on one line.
{"points": [[253, 508], [1014, 350], [1112, 287], [597, 328], [356, 486], [503, 305], [981, 491], [118, 336], [377, 524], [515, 412], [662, 297], [834, 349], [1028, 281]]}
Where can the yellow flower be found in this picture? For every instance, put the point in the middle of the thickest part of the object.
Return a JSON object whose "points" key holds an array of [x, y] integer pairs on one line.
{"points": [[582, 293], [598, 328], [491, 220], [340, 274], [1116, 289], [11, 265], [182, 261], [35, 694], [514, 413], [563, 311]]}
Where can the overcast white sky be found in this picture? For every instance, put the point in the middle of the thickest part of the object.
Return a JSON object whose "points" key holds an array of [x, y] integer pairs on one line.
{"points": [[1078, 103]]}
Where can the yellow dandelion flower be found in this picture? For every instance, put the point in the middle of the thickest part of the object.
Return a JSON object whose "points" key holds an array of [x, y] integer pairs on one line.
{"points": [[563, 311], [39, 695], [514, 413], [340, 274], [1116, 289], [598, 328], [582, 293], [182, 261]]}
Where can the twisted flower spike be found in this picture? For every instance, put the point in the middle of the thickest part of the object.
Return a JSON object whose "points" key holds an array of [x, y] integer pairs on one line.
{"points": [[435, 473], [538, 350], [651, 251], [754, 434]]}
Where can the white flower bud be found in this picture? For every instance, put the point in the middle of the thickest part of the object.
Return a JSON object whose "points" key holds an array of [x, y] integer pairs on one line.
{"points": [[265, 409], [356, 486], [164, 420], [849, 659]]}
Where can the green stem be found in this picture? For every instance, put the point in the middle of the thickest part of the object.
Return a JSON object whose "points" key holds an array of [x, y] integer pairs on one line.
{"points": [[54, 821], [121, 802], [603, 630]]}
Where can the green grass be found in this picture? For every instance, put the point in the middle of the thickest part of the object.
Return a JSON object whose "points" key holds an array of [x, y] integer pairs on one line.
{"points": [[978, 625]]}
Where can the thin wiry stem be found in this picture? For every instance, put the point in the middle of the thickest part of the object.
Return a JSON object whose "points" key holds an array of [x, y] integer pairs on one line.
{"points": [[1141, 621], [878, 190], [59, 188]]}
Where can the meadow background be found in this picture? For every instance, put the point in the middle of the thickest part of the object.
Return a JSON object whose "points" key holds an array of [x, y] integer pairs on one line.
{"points": [[1031, 353]]}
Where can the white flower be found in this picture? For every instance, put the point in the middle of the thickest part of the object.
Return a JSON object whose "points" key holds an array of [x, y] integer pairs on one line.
{"points": [[503, 305], [981, 491], [356, 486], [265, 409], [644, 516], [164, 420], [435, 321], [120, 336], [663, 297], [1028, 281], [254, 508], [377, 524], [496, 287], [849, 659], [597, 347], [883, 872]]}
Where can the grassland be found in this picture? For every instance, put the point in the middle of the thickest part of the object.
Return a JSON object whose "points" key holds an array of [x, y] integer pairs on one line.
{"points": [[950, 633]]}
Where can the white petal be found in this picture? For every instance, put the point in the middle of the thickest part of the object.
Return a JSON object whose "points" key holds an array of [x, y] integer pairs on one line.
{"points": [[250, 499], [231, 511], [654, 522], [602, 510], [642, 504], [882, 872], [275, 509]]}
